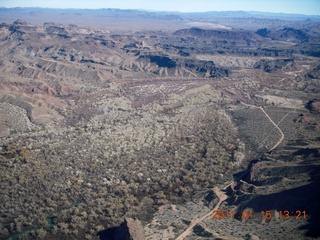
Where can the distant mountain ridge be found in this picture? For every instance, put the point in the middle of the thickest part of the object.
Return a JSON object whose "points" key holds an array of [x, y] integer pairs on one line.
{"points": [[231, 13], [164, 15]]}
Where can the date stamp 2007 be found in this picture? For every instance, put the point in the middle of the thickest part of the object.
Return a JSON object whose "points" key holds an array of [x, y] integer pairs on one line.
{"points": [[267, 214]]}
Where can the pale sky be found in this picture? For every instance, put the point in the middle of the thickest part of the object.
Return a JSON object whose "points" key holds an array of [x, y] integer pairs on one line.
{"points": [[309, 7]]}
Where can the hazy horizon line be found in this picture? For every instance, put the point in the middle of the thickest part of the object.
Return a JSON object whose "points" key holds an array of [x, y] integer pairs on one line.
{"points": [[161, 11]]}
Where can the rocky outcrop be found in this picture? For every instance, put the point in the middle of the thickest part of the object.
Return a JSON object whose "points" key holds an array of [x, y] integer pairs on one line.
{"points": [[274, 65], [135, 229], [314, 74], [219, 34], [130, 229], [180, 66], [22, 23], [160, 61], [251, 237], [314, 105], [201, 231], [284, 34]]}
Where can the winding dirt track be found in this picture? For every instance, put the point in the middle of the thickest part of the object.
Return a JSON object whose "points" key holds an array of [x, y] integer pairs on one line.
{"points": [[195, 221], [282, 134]]}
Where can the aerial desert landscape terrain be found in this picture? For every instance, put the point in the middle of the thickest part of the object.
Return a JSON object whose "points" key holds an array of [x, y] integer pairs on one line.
{"points": [[130, 124]]}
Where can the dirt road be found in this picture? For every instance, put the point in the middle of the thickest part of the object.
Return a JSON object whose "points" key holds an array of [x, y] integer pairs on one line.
{"points": [[197, 220], [282, 134]]}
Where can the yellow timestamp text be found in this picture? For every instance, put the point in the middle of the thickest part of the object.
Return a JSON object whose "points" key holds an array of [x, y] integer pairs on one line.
{"points": [[267, 214]]}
